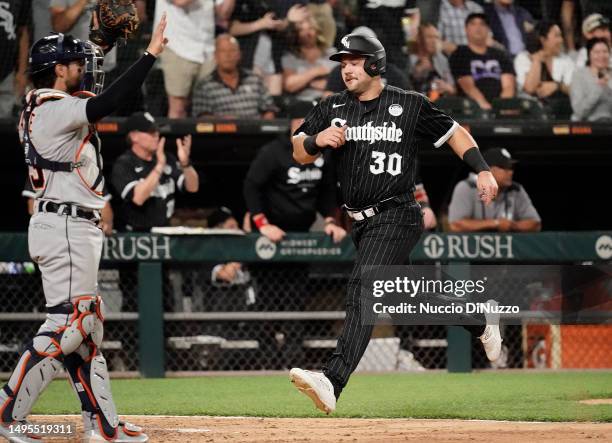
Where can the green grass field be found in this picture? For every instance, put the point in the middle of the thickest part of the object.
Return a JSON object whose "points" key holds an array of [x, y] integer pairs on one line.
{"points": [[491, 395]]}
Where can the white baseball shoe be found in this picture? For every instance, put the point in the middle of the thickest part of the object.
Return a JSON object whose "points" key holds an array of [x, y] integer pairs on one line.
{"points": [[317, 386], [491, 337], [13, 433], [126, 433]]}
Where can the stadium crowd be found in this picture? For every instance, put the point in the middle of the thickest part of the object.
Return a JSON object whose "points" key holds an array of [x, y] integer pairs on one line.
{"points": [[249, 59]]}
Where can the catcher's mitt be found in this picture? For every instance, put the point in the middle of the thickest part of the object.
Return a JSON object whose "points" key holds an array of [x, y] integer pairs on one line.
{"points": [[112, 20]]}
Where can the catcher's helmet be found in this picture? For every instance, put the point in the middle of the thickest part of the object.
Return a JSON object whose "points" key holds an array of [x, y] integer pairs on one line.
{"points": [[370, 47], [61, 49]]}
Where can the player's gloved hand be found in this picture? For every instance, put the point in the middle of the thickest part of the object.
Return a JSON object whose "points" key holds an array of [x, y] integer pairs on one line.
{"points": [[112, 20], [487, 187], [272, 232], [332, 137], [158, 41], [336, 232]]}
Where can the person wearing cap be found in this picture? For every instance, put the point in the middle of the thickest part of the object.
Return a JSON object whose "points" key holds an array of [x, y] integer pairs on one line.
{"points": [[146, 177], [594, 26], [230, 91], [482, 72], [512, 210]]}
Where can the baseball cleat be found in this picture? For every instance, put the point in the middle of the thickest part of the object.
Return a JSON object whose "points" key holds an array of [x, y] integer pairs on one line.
{"points": [[13, 435], [126, 433], [317, 386], [491, 337]]}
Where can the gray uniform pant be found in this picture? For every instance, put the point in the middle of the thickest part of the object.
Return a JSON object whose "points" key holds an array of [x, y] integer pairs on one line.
{"points": [[67, 250]]}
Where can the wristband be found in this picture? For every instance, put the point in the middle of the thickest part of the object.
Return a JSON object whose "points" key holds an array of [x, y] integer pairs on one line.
{"points": [[260, 221], [310, 145], [474, 160]]}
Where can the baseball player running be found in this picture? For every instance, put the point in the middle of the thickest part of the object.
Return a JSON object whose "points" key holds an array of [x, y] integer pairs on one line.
{"points": [[373, 132], [64, 239]]}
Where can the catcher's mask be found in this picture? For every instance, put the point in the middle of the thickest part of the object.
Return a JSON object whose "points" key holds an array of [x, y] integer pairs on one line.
{"points": [[93, 80], [59, 48]]}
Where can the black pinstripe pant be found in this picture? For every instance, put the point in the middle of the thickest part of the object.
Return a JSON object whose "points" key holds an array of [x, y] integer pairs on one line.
{"points": [[383, 240]]}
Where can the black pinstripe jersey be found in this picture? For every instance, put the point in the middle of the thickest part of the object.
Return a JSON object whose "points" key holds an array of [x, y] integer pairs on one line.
{"points": [[378, 160]]}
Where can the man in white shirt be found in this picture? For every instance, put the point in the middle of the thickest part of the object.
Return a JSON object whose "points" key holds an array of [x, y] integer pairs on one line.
{"points": [[189, 56]]}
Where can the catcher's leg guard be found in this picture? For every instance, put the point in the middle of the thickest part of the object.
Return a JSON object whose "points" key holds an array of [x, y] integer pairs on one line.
{"points": [[44, 355], [35, 370], [90, 380]]}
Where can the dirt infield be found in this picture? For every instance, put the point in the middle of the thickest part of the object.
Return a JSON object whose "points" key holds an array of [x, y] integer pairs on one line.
{"points": [[249, 429]]}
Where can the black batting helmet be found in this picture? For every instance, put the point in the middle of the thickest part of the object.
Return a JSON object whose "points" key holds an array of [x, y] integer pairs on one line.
{"points": [[53, 49], [370, 47]]}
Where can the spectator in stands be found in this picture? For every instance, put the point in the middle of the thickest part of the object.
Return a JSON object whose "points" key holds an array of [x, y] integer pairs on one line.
{"points": [[384, 17], [591, 88], [230, 91], [393, 76], [258, 24], [594, 26], [188, 58], [510, 24], [41, 19], [453, 15], [146, 177], [430, 71], [14, 46], [547, 72], [306, 67], [483, 73], [511, 210]]}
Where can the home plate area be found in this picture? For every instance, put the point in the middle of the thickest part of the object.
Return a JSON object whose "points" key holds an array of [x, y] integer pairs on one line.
{"points": [[194, 429]]}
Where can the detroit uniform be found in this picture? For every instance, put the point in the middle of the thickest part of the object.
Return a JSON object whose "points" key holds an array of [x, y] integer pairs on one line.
{"points": [[65, 170]]}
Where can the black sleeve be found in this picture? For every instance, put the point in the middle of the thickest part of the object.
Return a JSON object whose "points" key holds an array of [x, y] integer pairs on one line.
{"points": [[327, 200], [113, 96], [434, 125], [316, 120], [334, 80], [123, 179], [261, 170]]}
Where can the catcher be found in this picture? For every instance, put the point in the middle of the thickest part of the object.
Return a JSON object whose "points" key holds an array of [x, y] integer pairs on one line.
{"points": [[62, 152]]}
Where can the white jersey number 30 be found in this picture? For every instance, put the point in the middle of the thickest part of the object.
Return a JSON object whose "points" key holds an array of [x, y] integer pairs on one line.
{"points": [[392, 163]]}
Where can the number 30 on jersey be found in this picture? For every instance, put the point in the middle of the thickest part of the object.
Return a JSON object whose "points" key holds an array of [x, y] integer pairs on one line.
{"points": [[392, 164]]}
